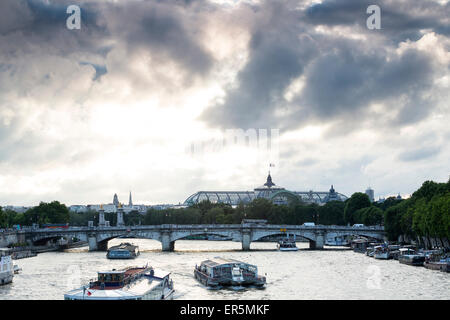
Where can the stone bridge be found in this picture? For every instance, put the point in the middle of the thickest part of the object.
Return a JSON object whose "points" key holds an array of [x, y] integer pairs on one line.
{"points": [[167, 234]]}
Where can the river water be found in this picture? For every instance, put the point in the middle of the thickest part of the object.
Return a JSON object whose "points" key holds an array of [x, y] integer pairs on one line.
{"points": [[333, 273]]}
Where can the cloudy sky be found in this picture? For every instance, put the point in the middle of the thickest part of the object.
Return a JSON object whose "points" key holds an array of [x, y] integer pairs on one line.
{"points": [[144, 95]]}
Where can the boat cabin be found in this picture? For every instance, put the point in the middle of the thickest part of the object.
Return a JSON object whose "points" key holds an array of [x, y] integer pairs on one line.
{"points": [[220, 267], [116, 278], [406, 251]]}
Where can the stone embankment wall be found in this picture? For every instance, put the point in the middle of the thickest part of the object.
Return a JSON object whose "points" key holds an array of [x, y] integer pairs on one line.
{"points": [[7, 238]]}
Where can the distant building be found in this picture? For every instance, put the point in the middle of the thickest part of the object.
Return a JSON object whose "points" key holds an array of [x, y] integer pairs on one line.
{"points": [[370, 193], [115, 200], [130, 201], [268, 190], [78, 208], [381, 200]]}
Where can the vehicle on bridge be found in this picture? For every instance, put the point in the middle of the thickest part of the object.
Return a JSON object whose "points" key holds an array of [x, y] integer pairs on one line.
{"points": [[309, 224], [123, 251], [132, 283], [255, 221], [224, 272], [55, 226]]}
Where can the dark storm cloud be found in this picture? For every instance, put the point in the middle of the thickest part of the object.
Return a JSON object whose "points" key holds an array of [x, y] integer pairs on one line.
{"points": [[343, 82], [278, 54], [37, 25], [343, 76], [419, 154], [163, 29], [167, 28], [400, 19]]}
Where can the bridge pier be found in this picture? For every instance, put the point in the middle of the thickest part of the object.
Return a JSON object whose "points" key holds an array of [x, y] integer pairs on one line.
{"points": [[318, 243], [94, 245], [246, 240], [167, 245], [92, 241]]}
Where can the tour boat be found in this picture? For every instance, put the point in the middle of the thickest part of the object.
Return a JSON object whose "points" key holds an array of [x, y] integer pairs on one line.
{"points": [[412, 259], [359, 245], [6, 267], [404, 251], [442, 265], [381, 252], [287, 245], [123, 251], [220, 271], [132, 283]]}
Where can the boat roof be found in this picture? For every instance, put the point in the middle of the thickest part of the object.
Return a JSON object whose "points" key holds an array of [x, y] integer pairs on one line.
{"points": [[133, 290], [128, 270], [220, 261], [125, 245]]}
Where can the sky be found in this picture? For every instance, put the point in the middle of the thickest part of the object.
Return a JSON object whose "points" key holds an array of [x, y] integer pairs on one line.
{"points": [[167, 98]]}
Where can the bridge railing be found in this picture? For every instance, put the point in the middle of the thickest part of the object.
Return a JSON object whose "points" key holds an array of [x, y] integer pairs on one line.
{"points": [[206, 227]]}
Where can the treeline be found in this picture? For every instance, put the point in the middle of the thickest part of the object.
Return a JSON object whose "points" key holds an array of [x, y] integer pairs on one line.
{"points": [[53, 212], [425, 214]]}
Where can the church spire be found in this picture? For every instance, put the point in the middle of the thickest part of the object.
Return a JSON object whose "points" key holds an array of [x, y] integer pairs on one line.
{"points": [[269, 182]]}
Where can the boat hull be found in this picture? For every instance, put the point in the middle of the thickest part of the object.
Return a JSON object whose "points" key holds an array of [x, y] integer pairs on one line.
{"points": [[412, 261], [6, 277], [384, 255], [441, 266], [287, 249]]}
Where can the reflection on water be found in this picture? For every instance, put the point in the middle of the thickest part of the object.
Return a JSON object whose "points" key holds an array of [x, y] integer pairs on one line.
{"points": [[334, 273]]}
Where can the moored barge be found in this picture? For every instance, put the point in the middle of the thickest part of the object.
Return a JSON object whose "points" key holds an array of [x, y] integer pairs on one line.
{"points": [[223, 272], [412, 259], [123, 251], [381, 252]]}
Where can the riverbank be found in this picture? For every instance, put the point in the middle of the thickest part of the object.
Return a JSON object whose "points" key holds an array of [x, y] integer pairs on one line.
{"points": [[434, 259]]}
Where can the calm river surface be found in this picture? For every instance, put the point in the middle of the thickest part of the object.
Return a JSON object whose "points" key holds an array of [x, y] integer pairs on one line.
{"points": [[334, 273]]}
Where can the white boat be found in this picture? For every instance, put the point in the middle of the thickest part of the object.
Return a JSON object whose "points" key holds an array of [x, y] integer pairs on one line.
{"points": [[6, 267], [381, 252], [132, 283], [287, 244], [123, 251]]}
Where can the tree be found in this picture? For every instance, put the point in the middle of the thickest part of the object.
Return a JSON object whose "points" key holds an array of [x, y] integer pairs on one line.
{"points": [[332, 213], [53, 212], [369, 216], [357, 201], [3, 222], [259, 209]]}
